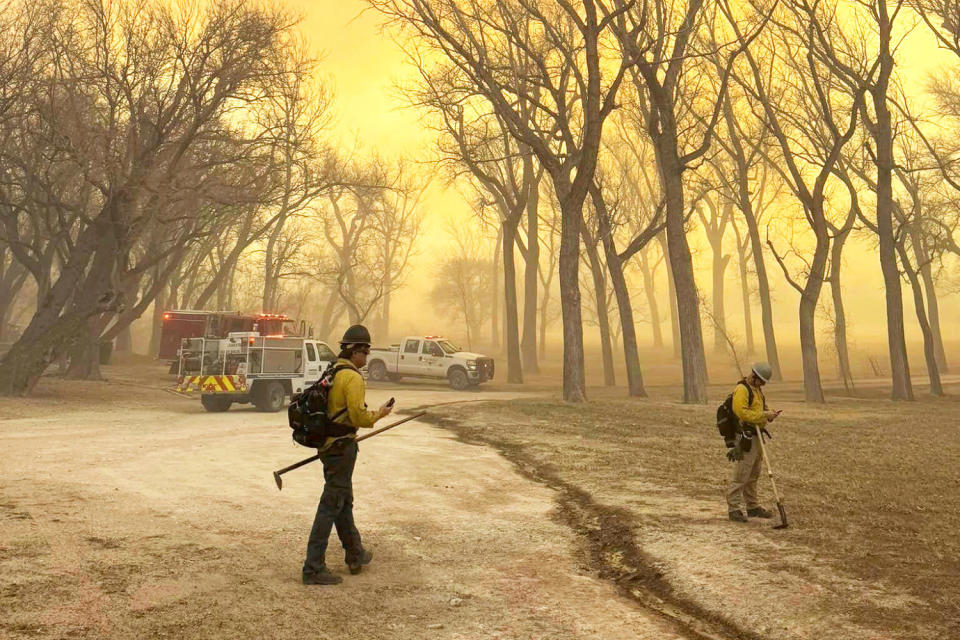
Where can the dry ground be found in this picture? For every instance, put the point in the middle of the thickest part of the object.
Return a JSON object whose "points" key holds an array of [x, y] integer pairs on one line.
{"points": [[872, 489], [127, 512]]}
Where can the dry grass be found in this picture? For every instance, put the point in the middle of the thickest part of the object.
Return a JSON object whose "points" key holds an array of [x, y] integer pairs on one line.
{"points": [[872, 487]]}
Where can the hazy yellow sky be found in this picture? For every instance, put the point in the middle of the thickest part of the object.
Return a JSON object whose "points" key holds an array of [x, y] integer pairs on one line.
{"points": [[363, 65]]}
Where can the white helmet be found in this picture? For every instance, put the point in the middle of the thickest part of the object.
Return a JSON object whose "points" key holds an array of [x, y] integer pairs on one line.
{"points": [[762, 370]]}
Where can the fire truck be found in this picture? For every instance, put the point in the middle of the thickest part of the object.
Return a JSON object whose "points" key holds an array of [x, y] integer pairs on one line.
{"points": [[178, 325], [246, 367]]}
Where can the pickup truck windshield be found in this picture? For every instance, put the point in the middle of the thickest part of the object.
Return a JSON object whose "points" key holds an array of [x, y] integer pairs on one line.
{"points": [[448, 347]]}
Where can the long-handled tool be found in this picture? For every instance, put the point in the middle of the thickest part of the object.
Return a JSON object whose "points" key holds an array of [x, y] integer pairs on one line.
{"points": [[297, 465], [783, 514]]}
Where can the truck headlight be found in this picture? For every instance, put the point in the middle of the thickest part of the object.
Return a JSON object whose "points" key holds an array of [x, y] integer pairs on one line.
{"points": [[471, 364]]}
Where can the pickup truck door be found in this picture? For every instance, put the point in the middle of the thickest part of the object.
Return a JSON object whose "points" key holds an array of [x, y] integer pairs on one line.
{"points": [[433, 364], [410, 361], [312, 371]]}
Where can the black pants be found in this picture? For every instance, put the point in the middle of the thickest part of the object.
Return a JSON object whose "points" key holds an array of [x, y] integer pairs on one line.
{"points": [[335, 508]]}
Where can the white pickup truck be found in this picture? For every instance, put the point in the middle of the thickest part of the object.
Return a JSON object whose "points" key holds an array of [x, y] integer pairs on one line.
{"points": [[247, 367], [429, 357]]}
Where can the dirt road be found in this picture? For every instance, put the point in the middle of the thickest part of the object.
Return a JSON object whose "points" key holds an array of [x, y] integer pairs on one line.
{"points": [[147, 517]]}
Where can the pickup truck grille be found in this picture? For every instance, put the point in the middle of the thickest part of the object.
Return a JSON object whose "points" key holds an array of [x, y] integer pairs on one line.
{"points": [[485, 368]]}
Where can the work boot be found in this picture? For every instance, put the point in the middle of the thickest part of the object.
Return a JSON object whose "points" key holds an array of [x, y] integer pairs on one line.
{"points": [[321, 577], [759, 512], [356, 564], [737, 516]]}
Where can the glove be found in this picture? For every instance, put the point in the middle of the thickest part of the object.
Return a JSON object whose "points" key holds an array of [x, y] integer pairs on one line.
{"points": [[764, 431], [736, 451]]}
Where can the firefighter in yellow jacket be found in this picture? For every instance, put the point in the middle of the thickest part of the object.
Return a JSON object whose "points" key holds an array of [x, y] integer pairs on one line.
{"points": [[750, 407], [345, 404]]}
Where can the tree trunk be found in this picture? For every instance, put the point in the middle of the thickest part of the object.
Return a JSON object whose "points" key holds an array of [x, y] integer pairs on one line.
{"points": [[603, 320], [514, 364], [812, 386], [839, 313], [899, 363], [745, 292], [528, 344], [671, 296], [929, 351], [156, 327], [124, 342], [763, 285], [720, 263], [49, 330], [631, 354], [85, 351], [930, 291], [688, 306], [495, 301], [650, 290], [574, 380], [542, 345]]}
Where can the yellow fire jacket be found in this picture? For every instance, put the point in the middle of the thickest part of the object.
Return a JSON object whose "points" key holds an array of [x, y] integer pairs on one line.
{"points": [[349, 392], [749, 413]]}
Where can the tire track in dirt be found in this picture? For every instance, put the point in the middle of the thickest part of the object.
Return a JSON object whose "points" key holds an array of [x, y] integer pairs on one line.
{"points": [[607, 536]]}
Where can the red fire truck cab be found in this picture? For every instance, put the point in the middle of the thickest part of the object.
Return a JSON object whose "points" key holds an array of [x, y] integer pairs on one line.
{"points": [[181, 324]]}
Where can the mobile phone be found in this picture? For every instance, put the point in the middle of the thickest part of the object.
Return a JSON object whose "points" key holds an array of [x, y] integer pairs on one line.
{"points": [[391, 401]]}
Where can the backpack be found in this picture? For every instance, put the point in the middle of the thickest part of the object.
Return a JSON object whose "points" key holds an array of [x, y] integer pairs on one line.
{"points": [[307, 413], [728, 424]]}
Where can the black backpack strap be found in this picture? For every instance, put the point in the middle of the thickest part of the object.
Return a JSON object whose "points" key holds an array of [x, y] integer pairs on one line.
{"points": [[337, 369], [749, 392]]}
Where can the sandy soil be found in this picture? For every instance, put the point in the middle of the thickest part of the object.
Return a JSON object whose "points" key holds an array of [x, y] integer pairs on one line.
{"points": [[872, 489], [126, 512]]}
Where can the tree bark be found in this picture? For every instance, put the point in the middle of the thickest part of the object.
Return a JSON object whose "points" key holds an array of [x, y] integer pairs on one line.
{"points": [[839, 313], [899, 363], [692, 354], [495, 301], [763, 285], [745, 292], [929, 351], [671, 296], [85, 350], [650, 290], [124, 342], [720, 263], [603, 320], [574, 380], [930, 291], [156, 327], [49, 330], [514, 363], [544, 310], [528, 344], [812, 386]]}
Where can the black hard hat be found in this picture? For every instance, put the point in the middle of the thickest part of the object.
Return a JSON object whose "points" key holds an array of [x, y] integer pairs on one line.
{"points": [[357, 334]]}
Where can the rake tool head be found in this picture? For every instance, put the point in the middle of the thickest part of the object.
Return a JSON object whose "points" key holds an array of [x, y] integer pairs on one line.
{"points": [[783, 517], [278, 479]]}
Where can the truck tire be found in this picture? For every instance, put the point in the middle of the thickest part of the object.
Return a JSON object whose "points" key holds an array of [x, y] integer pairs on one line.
{"points": [[268, 396], [377, 371], [215, 403], [458, 378]]}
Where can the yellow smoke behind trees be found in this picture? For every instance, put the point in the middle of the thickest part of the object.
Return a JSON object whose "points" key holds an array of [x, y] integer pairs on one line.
{"points": [[363, 66]]}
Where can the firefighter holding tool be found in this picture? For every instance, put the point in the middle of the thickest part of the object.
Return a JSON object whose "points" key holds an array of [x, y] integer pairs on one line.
{"points": [[750, 407], [346, 405]]}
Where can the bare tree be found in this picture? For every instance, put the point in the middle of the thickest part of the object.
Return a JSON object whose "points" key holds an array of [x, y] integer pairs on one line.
{"points": [[549, 57], [462, 284], [812, 118], [150, 100], [715, 227], [663, 37]]}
